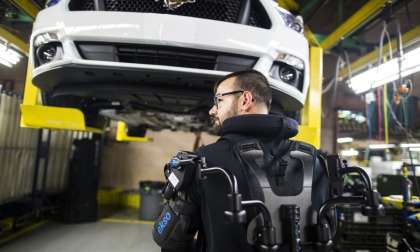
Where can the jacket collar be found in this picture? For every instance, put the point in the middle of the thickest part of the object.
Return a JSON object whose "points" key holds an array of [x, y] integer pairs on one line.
{"points": [[260, 125]]}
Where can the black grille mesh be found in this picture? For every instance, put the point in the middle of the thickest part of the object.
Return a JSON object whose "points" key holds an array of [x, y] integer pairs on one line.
{"points": [[133, 54], [163, 55], [81, 5], [222, 10], [258, 17]]}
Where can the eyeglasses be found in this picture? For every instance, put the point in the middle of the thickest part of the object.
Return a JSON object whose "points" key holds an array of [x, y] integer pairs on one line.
{"points": [[216, 97]]}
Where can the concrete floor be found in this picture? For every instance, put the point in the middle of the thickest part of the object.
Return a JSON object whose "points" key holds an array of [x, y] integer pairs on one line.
{"points": [[111, 234]]}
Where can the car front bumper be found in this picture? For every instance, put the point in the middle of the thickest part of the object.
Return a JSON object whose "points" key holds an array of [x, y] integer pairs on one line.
{"points": [[162, 30]]}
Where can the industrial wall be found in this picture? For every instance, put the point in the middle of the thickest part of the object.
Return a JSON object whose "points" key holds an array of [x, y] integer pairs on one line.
{"points": [[18, 152], [125, 164]]}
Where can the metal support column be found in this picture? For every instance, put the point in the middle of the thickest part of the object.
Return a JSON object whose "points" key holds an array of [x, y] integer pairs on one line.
{"points": [[41, 161], [310, 128]]}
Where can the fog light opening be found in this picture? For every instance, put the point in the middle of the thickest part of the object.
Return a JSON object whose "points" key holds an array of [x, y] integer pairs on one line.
{"points": [[49, 52], [287, 74]]}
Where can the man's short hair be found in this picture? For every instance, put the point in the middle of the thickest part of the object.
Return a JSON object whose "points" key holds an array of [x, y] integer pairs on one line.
{"points": [[252, 81]]}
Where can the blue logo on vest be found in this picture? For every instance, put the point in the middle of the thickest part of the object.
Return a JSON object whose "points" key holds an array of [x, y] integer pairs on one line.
{"points": [[164, 222]]}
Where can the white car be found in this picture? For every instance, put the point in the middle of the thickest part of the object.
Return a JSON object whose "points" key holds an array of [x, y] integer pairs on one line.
{"points": [[153, 63]]}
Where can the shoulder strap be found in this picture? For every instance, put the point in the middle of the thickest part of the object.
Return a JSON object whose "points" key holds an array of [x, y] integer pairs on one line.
{"points": [[308, 157], [250, 156]]}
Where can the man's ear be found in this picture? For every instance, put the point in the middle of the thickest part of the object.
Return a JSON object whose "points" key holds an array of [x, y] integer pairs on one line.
{"points": [[247, 101]]}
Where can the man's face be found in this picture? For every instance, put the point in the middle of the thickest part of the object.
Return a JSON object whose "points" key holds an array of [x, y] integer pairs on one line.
{"points": [[227, 104]]}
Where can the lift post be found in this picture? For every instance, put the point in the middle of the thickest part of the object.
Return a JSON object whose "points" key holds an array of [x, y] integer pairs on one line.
{"points": [[310, 127]]}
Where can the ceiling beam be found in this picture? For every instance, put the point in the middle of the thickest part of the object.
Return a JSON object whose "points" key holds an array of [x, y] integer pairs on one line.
{"points": [[364, 14], [408, 38], [27, 6], [21, 45]]}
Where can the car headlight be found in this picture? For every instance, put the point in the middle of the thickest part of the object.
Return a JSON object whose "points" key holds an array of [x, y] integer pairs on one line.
{"points": [[293, 22], [47, 48], [50, 3]]}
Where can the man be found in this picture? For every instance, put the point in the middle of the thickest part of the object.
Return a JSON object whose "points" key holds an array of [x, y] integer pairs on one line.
{"points": [[240, 93], [241, 111]]}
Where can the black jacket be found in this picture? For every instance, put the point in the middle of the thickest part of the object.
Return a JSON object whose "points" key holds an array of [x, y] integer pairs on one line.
{"points": [[270, 130]]}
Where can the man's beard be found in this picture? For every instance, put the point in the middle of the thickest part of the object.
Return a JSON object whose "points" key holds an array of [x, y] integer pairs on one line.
{"points": [[217, 123]]}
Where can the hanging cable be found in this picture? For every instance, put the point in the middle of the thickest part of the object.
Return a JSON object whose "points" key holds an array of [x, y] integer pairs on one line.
{"points": [[380, 56], [340, 63], [400, 52], [388, 105], [329, 85], [334, 81], [404, 99], [348, 65], [381, 46]]}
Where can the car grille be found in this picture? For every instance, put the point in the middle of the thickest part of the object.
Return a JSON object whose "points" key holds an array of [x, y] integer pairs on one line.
{"points": [[163, 55], [222, 10]]}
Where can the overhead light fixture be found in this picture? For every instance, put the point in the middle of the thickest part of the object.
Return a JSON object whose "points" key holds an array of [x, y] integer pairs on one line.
{"points": [[349, 152], [8, 56], [344, 140], [410, 145], [381, 146], [386, 72]]}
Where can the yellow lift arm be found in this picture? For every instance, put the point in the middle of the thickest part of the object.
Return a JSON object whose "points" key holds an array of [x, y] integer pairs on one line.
{"points": [[122, 135], [36, 115]]}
